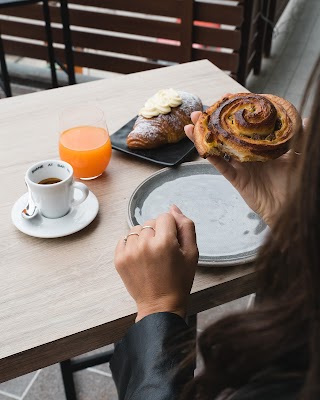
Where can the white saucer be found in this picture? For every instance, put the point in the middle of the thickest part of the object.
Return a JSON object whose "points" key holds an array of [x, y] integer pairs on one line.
{"points": [[78, 218]]}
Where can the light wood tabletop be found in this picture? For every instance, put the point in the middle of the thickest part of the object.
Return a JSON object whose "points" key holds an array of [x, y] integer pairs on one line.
{"points": [[63, 297]]}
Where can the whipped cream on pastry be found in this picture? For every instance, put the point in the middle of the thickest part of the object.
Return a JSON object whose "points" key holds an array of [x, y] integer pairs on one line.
{"points": [[161, 103], [150, 133]]}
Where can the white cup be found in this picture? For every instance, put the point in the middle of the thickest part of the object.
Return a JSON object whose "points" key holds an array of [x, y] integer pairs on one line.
{"points": [[56, 199]]}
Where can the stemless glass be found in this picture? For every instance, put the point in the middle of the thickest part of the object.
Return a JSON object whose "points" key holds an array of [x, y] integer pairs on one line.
{"points": [[84, 140]]}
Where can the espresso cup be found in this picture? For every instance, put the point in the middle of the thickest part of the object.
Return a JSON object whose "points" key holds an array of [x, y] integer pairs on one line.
{"points": [[51, 186]]}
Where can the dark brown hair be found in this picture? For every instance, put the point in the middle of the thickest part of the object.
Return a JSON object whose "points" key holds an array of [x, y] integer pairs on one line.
{"points": [[284, 329]]}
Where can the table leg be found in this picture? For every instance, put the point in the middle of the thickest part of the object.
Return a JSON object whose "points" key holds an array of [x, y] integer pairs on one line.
{"points": [[69, 367], [68, 382]]}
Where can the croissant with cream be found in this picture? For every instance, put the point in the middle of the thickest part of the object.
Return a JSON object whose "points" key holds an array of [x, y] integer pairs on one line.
{"points": [[173, 109], [247, 127]]}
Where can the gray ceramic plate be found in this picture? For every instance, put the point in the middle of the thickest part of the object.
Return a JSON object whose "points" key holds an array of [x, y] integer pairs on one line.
{"points": [[228, 231]]}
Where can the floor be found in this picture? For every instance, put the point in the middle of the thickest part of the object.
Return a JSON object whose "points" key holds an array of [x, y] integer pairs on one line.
{"points": [[295, 48]]}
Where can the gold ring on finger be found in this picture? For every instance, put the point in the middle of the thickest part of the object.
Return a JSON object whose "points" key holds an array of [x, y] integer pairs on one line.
{"points": [[148, 226], [125, 239]]}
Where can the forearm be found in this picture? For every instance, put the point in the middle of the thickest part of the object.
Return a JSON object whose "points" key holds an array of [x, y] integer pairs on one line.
{"points": [[147, 362]]}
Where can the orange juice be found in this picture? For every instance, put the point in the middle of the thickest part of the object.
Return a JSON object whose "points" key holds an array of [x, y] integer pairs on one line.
{"points": [[87, 149]]}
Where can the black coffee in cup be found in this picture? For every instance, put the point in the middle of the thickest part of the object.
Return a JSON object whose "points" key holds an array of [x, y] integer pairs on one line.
{"points": [[49, 181]]}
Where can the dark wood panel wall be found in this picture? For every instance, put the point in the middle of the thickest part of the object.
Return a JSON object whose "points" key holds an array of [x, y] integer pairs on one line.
{"points": [[129, 36]]}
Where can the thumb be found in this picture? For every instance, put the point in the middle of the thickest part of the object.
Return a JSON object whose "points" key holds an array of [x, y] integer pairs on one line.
{"points": [[176, 209], [186, 232], [188, 129]]}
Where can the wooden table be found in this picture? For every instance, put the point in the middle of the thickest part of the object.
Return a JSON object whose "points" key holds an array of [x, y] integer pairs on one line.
{"points": [[63, 297]]}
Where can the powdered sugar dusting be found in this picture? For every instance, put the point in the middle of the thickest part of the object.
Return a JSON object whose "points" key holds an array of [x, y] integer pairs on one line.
{"points": [[190, 102], [166, 125]]}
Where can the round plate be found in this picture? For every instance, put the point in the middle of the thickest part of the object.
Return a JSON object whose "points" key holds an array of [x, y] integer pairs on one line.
{"points": [[228, 231], [78, 218]]}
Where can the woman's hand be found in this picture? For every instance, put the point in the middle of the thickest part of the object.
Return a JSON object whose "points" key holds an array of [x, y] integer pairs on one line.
{"points": [[157, 265], [263, 185]]}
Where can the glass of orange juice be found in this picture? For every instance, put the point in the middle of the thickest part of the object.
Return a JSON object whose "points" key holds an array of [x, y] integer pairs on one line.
{"points": [[84, 141]]}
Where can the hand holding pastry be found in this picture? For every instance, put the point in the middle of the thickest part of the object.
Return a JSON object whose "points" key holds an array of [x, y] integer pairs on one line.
{"points": [[157, 263], [263, 186], [247, 127]]}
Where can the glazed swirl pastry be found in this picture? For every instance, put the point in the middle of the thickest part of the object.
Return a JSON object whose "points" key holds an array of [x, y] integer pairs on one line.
{"points": [[157, 130], [247, 127]]}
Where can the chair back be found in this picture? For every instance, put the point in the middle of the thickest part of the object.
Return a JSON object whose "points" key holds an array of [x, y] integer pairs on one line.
{"points": [[130, 36]]}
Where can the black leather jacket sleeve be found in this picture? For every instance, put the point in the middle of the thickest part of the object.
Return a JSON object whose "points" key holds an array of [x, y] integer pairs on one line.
{"points": [[147, 362]]}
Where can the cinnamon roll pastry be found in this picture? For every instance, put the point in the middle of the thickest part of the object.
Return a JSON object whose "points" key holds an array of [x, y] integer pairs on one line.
{"points": [[162, 119], [247, 127]]}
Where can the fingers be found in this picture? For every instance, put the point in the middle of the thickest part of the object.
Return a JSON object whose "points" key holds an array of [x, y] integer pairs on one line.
{"points": [[226, 168], [176, 209], [195, 116], [173, 225], [186, 233], [131, 240], [137, 233], [148, 230], [188, 129], [128, 242], [166, 227], [164, 224], [119, 251]]}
